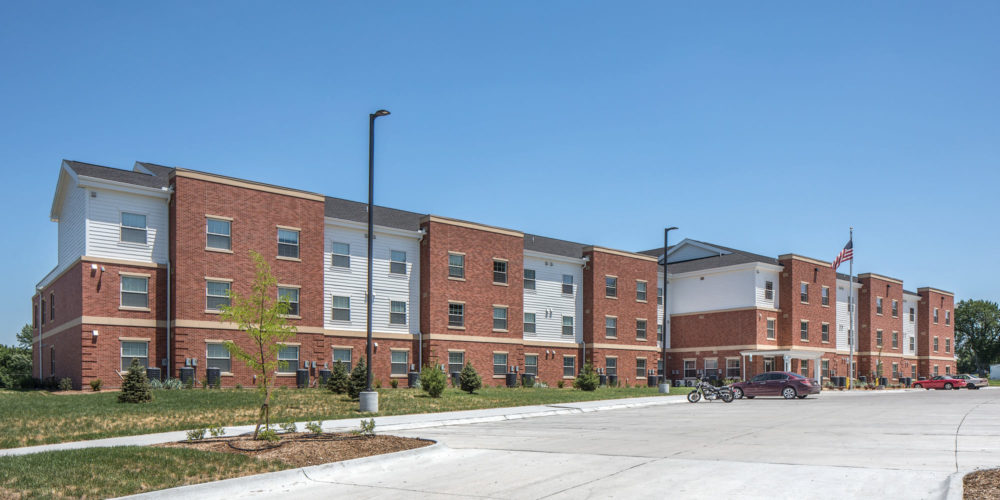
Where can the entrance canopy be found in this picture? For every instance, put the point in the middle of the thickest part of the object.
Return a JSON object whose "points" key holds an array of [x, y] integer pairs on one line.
{"points": [[787, 355]]}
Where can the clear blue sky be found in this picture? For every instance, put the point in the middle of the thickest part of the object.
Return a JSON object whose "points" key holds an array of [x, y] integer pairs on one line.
{"points": [[770, 127]]}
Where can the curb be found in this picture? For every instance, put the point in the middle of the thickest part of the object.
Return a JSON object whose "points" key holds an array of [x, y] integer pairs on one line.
{"points": [[955, 488]]}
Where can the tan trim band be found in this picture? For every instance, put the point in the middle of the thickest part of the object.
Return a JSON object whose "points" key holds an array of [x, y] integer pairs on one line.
{"points": [[935, 290], [756, 347], [102, 321], [100, 260], [470, 225], [804, 259], [880, 277], [620, 253], [936, 358], [623, 347], [551, 343], [471, 338], [733, 309], [230, 181]]}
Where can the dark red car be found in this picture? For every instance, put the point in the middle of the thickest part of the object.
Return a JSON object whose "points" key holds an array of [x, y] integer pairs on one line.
{"points": [[940, 382], [785, 384]]}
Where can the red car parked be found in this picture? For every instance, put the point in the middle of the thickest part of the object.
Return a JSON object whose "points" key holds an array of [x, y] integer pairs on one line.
{"points": [[940, 382], [785, 384]]}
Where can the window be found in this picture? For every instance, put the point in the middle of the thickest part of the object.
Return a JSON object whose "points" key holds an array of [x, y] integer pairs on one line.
{"points": [[659, 295], [397, 312], [895, 340], [216, 295], [341, 310], [733, 368], [804, 331], [911, 315], [567, 284], [499, 271], [878, 305], [610, 327], [343, 356], [288, 359], [770, 328], [135, 350], [947, 317], [400, 362], [825, 295], [456, 361], [935, 344], [640, 329], [912, 344], [690, 369], [397, 262], [824, 367], [895, 370], [291, 294], [218, 234], [895, 309], [456, 266], [133, 228], [52, 360], [341, 255], [640, 368], [34, 315], [947, 345], [640, 291], [52, 307], [769, 290], [529, 279], [288, 243], [935, 315], [611, 366], [804, 367], [712, 368], [947, 370], [217, 356], [530, 364], [569, 366], [456, 314], [659, 333], [43, 314], [878, 338], [610, 287], [567, 325], [499, 318], [825, 332], [769, 364], [804, 292], [529, 322], [913, 371], [499, 363], [935, 370], [135, 293]]}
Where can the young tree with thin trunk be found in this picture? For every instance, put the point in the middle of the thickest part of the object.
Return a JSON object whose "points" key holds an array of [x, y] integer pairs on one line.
{"points": [[262, 317]]}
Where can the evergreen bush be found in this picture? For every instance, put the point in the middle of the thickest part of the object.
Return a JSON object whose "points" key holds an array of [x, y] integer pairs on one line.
{"points": [[65, 384], [587, 380], [432, 380], [359, 380], [339, 379], [95, 385], [135, 387], [469, 380]]}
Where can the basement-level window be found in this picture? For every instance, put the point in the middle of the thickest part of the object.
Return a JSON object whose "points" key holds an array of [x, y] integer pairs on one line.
{"points": [[343, 356], [217, 356], [134, 350], [569, 366], [400, 362], [456, 361], [499, 363], [288, 359]]}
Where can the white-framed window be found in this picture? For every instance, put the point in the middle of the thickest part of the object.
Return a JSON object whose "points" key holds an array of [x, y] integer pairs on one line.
{"points": [[947, 345], [936, 372], [825, 295], [804, 330], [529, 322], [397, 312], [292, 295], [770, 328], [610, 327], [288, 243], [134, 293], [456, 314], [733, 368], [567, 325], [804, 367], [659, 333], [610, 287], [218, 234], [913, 371], [400, 362], [878, 338], [456, 361], [640, 291], [344, 357], [824, 330], [912, 315], [712, 367], [133, 228], [341, 255], [947, 370], [947, 317], [895, 340], [529, 279], [397, 262], [134, 350], [640, 368], [216, 294], [288, 359], [824, 368], [341, 308], [769, 290], [878, 305], [895, 370], [690, 368], [640, 329], [935, 315], [569, 366], [499, 363], [611, 366], [499, 271], [217, 356], [531, 364], [895, 308], [659, 295], [804, 292], [456, 265], [499, 318], [567, 284], [912, 344]]}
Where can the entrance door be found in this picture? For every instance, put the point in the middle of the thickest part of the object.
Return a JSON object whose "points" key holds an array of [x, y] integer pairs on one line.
{"points": [[769, 364]]}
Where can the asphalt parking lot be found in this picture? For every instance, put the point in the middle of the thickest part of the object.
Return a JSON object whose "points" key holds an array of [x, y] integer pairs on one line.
{"points": [[835, 445]]}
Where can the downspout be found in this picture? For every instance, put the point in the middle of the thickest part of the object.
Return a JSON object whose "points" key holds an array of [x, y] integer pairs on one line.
{"points": [[41, 313], [420, 333], [170, 192], [583, 342]]}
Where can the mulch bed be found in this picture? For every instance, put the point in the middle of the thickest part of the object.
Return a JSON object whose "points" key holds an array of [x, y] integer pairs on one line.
{"points": [[983, 484], [303, 449]]}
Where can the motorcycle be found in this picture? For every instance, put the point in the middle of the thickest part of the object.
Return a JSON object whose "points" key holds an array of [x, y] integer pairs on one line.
{"points": [[710, 393]]}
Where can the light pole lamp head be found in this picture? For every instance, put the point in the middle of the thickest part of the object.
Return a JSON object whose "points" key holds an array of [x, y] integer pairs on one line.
{"points": [[379, 113], [671, 228]]}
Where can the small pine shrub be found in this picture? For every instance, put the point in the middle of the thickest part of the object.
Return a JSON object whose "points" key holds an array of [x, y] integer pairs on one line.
{"points": [[560, 384], [314, 427], [367, 428], [65, 384], [587, 380], [339, 379], [95, 385], [268, 435], [135, 387], [217, 431], [239, 386], [394, 383], [195, 434], [288, 427], [378, 383], [432, 381], [358, 381], [469, 380]]}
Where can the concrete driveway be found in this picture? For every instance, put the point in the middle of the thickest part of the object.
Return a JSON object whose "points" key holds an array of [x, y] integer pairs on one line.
{"points": [[835, 445]]}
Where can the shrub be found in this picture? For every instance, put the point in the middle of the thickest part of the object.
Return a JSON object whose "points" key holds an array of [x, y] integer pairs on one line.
{"points": [[173, 384], [394, 383], [65, 384], [314, 427], [367, 428], [288, 427], [155, 384], [587, 380], [195, 434], [378, 384], [217, 431], [432, 380], [95, 385], [204, 383], [268, 435], [339, 380], [560, 384], [469, 380], [135, 387], [359, 379]]}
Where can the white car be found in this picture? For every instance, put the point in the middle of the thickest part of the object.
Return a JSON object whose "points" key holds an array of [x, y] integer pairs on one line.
{"points": [[973, 382]]}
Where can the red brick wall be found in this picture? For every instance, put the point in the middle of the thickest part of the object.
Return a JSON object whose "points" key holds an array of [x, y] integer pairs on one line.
{"points": [[67, 291], [746, 327], [793, 310], [550, 364], [870, 321], [596, 306], [927, 329]]}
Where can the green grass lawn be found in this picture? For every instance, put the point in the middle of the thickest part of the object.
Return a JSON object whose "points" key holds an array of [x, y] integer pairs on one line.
{"points": [[994, 382], [38, 417], [113, 472]]}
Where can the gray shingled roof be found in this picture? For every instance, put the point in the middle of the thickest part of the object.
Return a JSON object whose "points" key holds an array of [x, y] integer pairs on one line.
{"points": [[340, 208], [117, 174], [157, 170], [553, 246], [731, 259]]}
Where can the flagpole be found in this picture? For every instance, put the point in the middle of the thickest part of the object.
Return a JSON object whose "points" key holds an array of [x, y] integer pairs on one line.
{"points": [[850, 311]]}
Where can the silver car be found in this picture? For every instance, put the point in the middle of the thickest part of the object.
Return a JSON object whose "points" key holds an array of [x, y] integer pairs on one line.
{"points": [[973, 382]]}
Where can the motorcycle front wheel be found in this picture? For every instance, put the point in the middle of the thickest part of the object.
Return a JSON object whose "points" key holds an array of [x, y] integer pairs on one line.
{"points": [[694, 396]]}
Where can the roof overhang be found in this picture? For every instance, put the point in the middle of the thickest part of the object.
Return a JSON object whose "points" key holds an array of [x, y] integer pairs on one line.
{"points": [[710, 250], [748, 266], [791, 353], [363, 226], [550, 256]]}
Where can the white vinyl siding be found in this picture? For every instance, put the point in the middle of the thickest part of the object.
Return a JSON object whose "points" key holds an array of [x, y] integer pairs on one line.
{"points": [[843, 317], [909, 327], [72, 226], [104, 217], [548, 302]]}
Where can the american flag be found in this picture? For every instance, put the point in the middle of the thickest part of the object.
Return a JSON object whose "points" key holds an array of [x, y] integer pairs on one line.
{"points": [[846, 254]]}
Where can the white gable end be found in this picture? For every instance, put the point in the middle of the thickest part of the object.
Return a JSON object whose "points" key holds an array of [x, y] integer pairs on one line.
{"points": [[691, 250]]}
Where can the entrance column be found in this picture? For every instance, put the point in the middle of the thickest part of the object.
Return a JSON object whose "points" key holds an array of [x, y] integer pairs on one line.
{"points": [[788, 363]]}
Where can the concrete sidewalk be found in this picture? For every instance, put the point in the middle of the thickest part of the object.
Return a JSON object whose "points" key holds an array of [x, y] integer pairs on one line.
{"points": [[382, 424]]}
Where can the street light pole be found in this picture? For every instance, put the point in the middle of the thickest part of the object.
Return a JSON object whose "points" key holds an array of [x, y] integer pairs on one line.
{"points": [[369, 398], [664, 385]]}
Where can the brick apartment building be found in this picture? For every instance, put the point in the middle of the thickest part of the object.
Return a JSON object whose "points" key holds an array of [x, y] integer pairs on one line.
{"points": [[146, 258]]}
